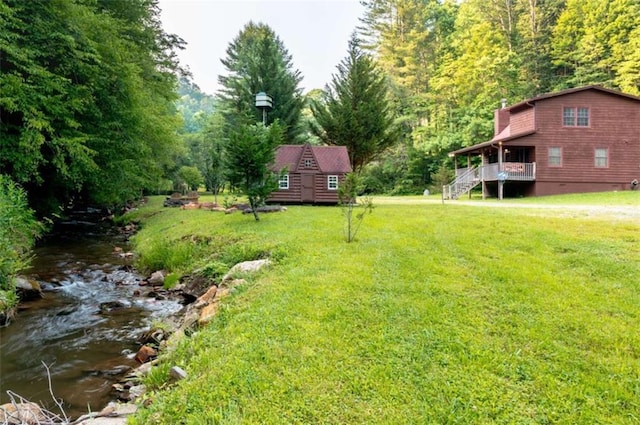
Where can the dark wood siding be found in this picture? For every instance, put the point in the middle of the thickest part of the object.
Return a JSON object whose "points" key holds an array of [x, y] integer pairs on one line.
{"points": [[614, 124], [323, 194], [307, 155], [290, 195], [294, 193], [522, 121]]}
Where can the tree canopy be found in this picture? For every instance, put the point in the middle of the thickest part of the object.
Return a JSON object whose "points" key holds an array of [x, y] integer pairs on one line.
{"points": [[257, 61], [451, 62], [85, 119], [249, 153], [354, 110]]}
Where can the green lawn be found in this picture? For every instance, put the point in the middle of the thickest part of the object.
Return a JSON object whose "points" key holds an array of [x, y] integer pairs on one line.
{"points": [[436, 314]]}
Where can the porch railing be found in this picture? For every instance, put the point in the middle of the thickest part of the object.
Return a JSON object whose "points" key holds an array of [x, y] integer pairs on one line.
{"points": [[515, 171], [468, 178]]}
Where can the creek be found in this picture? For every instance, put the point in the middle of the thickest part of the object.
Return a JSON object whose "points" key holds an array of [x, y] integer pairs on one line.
{"points": [[86, 346]]}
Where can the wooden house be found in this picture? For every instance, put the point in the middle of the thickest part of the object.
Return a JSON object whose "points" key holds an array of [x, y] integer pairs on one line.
{"points": [[585, 139], [312, 174]]}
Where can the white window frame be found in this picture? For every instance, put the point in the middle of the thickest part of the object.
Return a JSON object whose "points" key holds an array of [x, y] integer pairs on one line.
{"points": [[601, 157], [332, 182], [283, 182], [568, 116], [308, 163], [582, 117], [551, 156], [576, 116]]}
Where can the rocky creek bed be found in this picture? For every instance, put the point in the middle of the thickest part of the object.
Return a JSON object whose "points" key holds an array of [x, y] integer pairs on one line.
{"points": [[85, 340]]}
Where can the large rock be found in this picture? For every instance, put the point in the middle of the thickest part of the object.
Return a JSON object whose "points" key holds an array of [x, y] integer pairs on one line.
{"points": [[156, 279], [208, 313], [145, 354], [27, 289], [245, 267], [21, 413], [207, 297]]}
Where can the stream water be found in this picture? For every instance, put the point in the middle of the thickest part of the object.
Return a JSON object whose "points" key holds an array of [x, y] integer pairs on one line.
{"points": [[85, 349]]}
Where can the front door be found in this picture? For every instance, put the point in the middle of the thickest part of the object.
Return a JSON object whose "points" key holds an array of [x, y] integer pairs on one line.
{"points": [[307, 188]]}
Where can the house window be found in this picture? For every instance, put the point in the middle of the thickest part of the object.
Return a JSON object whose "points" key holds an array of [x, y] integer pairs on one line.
{"points": [[569, 117], [583, 117], [575, 117], [332, 182], [555, 157], [602, 157], [283, 182], [307, 163]]}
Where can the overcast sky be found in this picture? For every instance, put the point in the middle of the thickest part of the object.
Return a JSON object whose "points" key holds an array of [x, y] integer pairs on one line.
{"points": [[315, 32]]}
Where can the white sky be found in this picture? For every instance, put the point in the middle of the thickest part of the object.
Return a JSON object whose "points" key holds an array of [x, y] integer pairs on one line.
{"points": [[315, 32]]}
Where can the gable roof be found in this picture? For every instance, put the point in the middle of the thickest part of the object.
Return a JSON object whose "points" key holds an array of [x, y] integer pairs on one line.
{"points": [[330, 159], [506, 135], [531, 101]]}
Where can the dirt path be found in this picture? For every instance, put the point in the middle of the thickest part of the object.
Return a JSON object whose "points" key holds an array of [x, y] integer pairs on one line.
{"points": [[618, 212]]}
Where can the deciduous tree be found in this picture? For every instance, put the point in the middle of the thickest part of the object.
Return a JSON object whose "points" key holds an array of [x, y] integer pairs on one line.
{"points": [[249, 152]]}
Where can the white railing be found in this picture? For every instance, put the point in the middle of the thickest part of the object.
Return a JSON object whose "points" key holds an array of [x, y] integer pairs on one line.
{"points": [[514, 171], [468, 178]]}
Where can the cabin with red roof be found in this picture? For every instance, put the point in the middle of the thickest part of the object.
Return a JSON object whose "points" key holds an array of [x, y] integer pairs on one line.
{"points": [[584, 139], [312, 173]]}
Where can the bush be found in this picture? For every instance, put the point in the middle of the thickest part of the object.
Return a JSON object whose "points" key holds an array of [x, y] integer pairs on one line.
{"points": [[18, 232]]}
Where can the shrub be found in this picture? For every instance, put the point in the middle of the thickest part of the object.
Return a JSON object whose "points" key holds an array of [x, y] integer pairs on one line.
{"points": [[18, 231]]}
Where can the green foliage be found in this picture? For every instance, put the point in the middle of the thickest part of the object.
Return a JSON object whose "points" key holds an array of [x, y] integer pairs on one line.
{"points": [[212, 156], [443, 176], [249, 153], [194, 106], [87, 99], [593, 41], [164, 245], [403, 170], [170, 280], [18, 232], [354, 110], [191, 177], [441, 314], [214, 270], [257, 61], [352, 210]]}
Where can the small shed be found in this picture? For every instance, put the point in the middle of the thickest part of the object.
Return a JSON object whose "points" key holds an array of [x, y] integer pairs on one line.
{"points": [[313, 173]]}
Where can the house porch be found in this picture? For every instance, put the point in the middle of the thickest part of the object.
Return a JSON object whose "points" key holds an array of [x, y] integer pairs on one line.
{"points": [[497, 166]]}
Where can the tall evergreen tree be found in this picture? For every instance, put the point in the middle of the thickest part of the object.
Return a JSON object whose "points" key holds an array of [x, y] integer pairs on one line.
{"points": [[355, 110], [257, 61]]}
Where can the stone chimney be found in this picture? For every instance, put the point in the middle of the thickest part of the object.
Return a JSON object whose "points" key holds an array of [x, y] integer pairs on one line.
{"points": [[501, 118]]}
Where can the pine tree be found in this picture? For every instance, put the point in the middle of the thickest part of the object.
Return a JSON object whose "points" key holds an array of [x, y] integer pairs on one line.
{"points": [[257, 61], [355, 111]]}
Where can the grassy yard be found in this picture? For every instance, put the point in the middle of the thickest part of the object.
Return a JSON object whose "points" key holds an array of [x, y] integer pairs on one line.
{"points": [[436, 314]]}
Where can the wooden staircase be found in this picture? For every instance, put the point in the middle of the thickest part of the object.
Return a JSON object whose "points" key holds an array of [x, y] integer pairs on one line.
{"points": [[462, 184]]}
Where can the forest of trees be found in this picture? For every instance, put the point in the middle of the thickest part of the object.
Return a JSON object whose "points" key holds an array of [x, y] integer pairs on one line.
{"points": [[450, 63], [87, 100], [95, 108], [84, 120]]}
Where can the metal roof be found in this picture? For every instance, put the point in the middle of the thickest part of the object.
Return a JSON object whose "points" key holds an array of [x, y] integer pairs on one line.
{"points": [[330, 159]]}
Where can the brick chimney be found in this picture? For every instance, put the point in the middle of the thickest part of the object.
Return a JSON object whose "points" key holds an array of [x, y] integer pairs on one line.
{"points": [[501, 118]]}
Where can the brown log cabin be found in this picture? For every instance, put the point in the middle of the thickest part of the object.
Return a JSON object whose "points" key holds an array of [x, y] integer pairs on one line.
{"points": [[584, 139], [313, 173]]}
